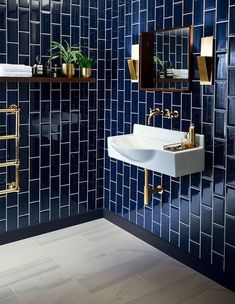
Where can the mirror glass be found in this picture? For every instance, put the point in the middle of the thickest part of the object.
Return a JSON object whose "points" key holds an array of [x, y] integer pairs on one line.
{"points": [[169, 53]]}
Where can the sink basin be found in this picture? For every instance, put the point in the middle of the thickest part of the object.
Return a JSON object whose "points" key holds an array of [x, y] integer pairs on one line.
{"points": [[144, 148], [136, 148]]}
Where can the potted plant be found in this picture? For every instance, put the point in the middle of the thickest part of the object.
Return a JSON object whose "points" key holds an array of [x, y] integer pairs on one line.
{"points": [[85, 64], [158, 61], [68, 55]]}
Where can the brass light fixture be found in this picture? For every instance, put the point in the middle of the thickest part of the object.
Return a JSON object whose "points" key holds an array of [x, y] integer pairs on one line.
{"points": [[206, 61], [14, 185], [133, 63]]}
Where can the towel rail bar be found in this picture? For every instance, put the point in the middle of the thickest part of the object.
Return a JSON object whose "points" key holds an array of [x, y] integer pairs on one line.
{"points": [[13, 186]]}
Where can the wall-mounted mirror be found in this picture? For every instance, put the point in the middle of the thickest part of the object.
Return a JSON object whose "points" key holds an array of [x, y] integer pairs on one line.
{"points": [[165, 60]]}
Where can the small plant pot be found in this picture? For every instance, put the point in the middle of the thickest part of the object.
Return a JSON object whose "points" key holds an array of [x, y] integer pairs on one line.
{"points": [[68, 69], [86, 72]]}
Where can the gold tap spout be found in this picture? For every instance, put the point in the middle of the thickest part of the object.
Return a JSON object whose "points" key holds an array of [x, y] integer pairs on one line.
{"points": [[153, 112]]}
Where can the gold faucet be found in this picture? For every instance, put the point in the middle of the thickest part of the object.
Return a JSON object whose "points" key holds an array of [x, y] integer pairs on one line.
{"points": [[153, 112], [189, 143], [165, 113], [171, 114]]}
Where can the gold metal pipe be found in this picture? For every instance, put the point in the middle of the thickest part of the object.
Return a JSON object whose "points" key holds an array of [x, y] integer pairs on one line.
{"points": [[6, 137], [9, 164], [13, 186], [146, 187], [17, 178], [17, 150], [11, 109], [6, 191], [147, 190]]}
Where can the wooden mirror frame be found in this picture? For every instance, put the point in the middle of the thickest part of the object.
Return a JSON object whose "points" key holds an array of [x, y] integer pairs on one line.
{"points": [[146, 61]]}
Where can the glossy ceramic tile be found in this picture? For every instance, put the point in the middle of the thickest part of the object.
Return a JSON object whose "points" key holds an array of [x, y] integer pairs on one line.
{"points": [[52, 115], [186, 217]]}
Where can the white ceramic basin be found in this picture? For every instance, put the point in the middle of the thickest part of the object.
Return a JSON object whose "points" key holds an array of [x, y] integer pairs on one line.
{"points": [[144, 148]]}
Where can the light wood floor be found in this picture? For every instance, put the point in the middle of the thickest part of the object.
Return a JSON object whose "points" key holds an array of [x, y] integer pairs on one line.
{"points": [[99, 263]]}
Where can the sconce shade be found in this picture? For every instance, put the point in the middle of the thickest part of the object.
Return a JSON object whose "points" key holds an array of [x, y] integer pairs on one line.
{"points": [[205, 66], [205, 61], [133, 63], [133, 69]]}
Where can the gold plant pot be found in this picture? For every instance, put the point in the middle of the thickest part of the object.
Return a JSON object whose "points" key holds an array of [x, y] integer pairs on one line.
{"points": [[86, 72], [68, 69]]}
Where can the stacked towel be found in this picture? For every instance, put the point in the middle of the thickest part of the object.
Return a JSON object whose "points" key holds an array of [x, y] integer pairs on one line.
{"points": [[180, 73], [15, 70]]}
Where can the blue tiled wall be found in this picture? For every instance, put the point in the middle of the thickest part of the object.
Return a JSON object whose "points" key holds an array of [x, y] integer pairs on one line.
{"points": [[196, 213], [61, 149]]}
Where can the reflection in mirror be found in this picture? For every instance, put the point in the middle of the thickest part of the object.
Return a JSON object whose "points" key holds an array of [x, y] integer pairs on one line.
{"points": [[168, 62]]}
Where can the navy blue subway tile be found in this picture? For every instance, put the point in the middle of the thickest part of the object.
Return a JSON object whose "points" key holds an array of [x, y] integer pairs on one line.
{"points": [[184, 211], [2, 17], [232, 51], [230, 206], [219, 153], [207, 192], [222, 65], [221, 95], [195, 202], [220, 124], [218, 239], [230, 171], [209, 23], [12, 32], [229, 259], [210, 4], [184, 237], [232, 20], [206, 218], [35, 10], [218, 261], [218, 210], [206, 246], [222, 34], [219, 181], [174, 219], [229, 231], [195, 228]]}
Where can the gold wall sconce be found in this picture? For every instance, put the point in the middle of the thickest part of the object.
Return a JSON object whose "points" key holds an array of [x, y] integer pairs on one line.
{"points": [[133, 63], [206, 61]]}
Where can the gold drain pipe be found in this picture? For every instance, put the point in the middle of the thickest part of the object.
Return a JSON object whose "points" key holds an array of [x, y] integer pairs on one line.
{"points": [[147, 190]]}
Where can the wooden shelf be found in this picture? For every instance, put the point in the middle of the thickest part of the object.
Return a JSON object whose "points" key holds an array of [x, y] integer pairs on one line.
{"points": [[48, 79], [168, 80]]}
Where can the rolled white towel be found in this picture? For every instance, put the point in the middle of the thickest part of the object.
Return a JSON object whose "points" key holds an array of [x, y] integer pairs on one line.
{"points": [[4, 67], [180, 73], [15, 74]]}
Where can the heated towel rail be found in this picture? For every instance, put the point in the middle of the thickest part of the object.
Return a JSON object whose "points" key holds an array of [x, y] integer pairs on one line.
{"points": [[14, 185]]}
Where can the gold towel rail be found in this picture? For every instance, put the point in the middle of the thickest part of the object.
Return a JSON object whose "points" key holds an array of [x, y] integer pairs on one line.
{"points": [[12, 109], [9, 164], [6, 137], [15, 185]]}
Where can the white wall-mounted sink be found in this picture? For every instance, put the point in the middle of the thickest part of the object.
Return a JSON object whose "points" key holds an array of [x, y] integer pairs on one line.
{"points": [[144, 148]]}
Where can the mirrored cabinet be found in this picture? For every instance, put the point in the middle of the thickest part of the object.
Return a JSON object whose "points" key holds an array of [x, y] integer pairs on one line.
{"points": [[165, 60]]}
